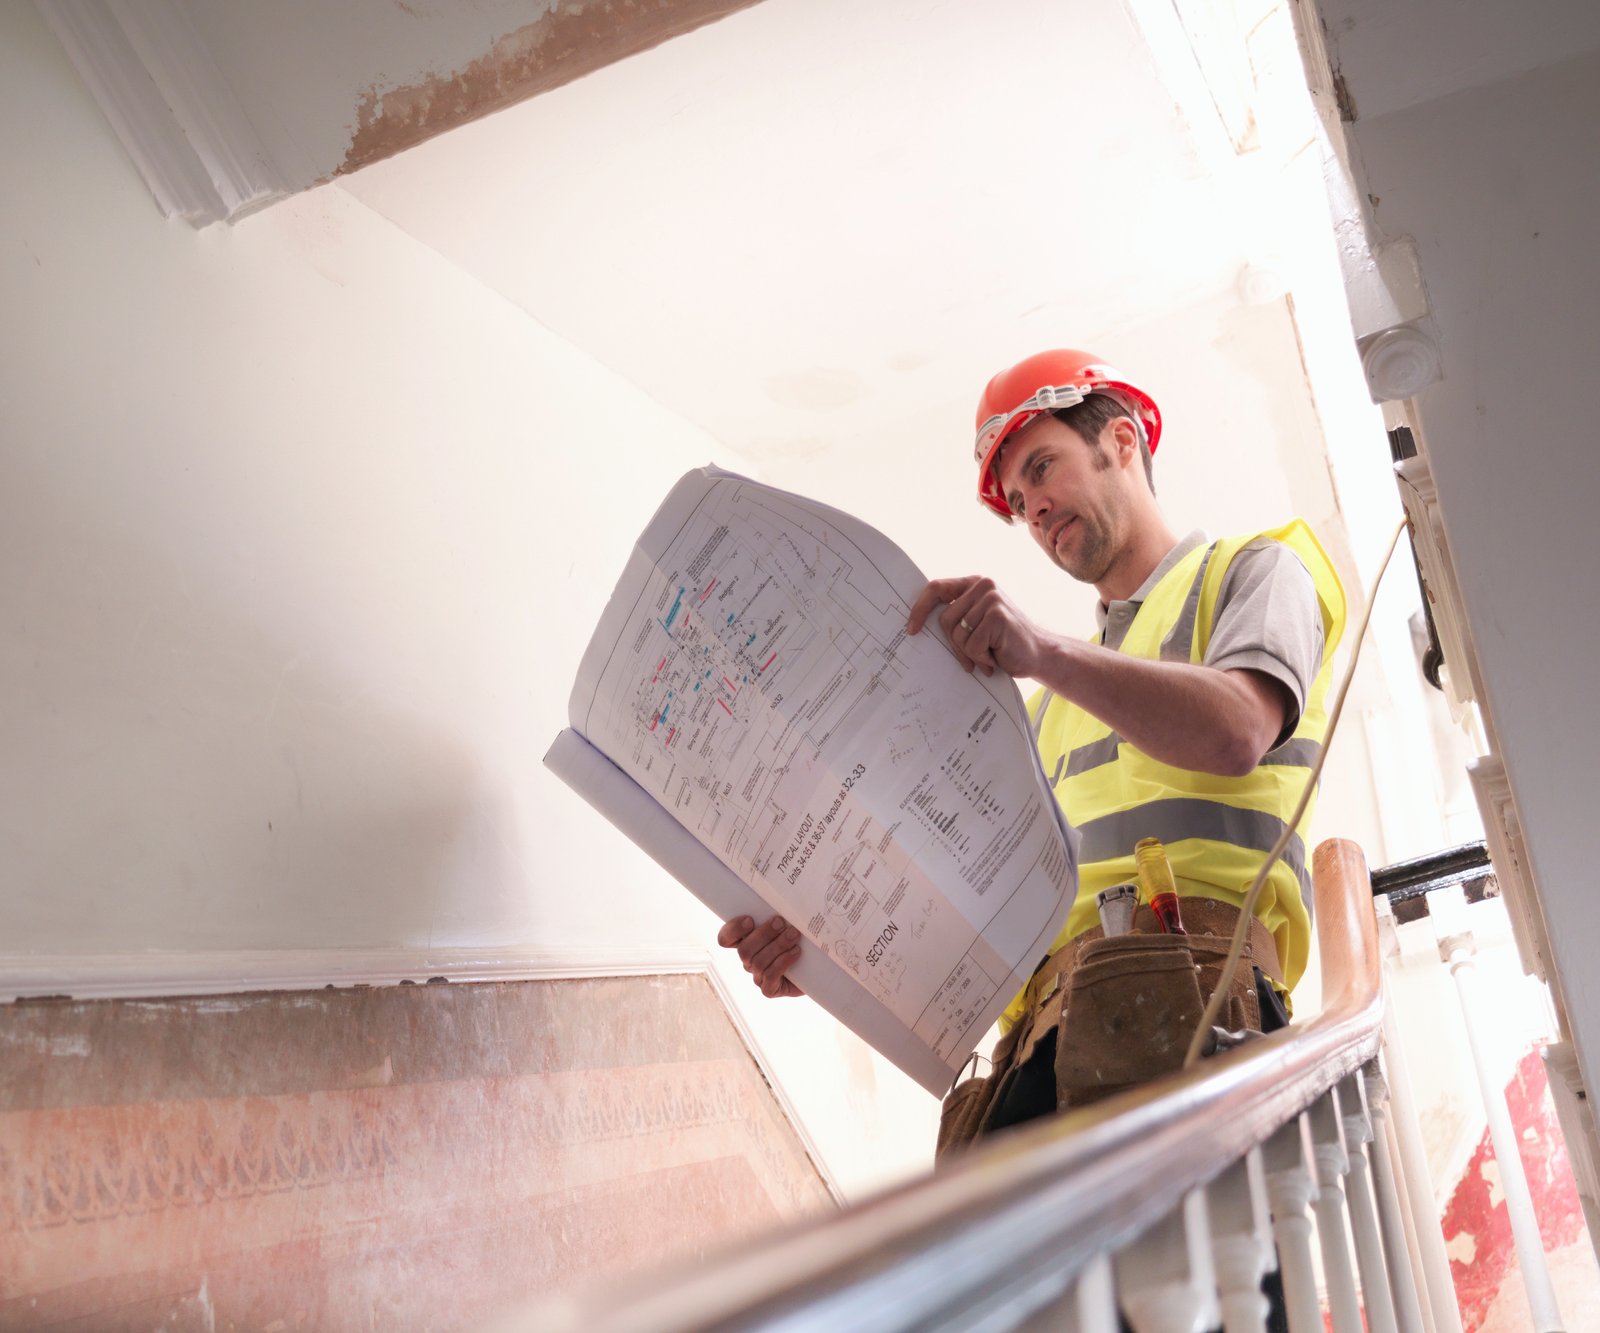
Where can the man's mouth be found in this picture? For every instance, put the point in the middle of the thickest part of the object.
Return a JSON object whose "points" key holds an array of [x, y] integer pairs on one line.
{"points": [[1059, 530]]}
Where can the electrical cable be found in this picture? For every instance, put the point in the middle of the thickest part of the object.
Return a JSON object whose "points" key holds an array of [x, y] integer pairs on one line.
{"points": [[1241, 932]]}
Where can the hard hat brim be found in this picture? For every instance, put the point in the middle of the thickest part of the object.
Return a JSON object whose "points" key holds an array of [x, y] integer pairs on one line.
{"points": [[993, 434]]}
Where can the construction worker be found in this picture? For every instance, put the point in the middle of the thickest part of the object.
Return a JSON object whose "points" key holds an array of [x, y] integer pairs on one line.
{"points": [[1193, 716]]}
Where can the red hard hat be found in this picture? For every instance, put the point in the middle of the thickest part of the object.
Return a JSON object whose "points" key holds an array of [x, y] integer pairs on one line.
{"points": [[1047, 382]]}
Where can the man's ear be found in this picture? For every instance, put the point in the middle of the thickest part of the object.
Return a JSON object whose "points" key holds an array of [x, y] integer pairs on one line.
{"points": [[1124, 440]]}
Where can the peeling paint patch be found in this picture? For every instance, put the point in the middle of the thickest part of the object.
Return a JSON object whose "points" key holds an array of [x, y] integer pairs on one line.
{"points": [[1343, 99], [821, 389], [73, 1044], [1477, 1228], [573, 39], [1491, 1178], [1463, 1248], [370, 1162]]}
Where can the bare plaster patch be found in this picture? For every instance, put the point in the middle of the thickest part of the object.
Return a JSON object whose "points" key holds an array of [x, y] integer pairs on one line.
{"points": [[1462, 1247], [782, 448], [572, 40], [818, 390]]}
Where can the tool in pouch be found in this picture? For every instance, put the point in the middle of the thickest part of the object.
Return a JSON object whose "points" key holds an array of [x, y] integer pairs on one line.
{"points": [[1122, 1005]]}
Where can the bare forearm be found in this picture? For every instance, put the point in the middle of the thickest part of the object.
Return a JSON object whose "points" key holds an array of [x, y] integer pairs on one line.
{"points": [[1193, 717]]}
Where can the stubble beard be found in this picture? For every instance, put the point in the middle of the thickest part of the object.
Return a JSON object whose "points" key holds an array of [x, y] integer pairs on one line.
{"points": [[1091, 560], [1096, 550]]}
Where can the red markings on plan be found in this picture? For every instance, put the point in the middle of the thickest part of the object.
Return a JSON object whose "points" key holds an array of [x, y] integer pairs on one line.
{"points": [[725, 708], [730, 685], [659, 665], [707, 592], [768, 663]]}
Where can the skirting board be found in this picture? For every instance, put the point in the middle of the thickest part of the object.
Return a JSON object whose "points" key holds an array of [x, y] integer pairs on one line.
{"points": [[165, 975]]}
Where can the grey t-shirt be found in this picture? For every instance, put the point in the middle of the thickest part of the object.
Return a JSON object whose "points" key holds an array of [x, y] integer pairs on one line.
{"points": [[1267, 618]]}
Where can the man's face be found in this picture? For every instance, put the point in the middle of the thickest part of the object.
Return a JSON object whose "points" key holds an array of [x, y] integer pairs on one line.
{"points": [[1070, 494]]}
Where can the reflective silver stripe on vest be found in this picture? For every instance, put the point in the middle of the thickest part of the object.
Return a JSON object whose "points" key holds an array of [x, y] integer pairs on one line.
{"points": [[1180, 817], [1093, 755], [1292, 753], [1302, 753], [1178, 644], [1037, 720]]}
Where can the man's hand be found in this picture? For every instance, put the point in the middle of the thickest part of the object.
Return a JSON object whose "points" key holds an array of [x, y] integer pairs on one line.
{"points": [[983, 625], [767, 952], [1185, 714]]}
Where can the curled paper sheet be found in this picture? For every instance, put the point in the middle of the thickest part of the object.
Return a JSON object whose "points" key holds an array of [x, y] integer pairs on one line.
{"points": [[752, 713]]}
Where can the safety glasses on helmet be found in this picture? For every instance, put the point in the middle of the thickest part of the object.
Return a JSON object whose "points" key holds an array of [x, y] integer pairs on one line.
{"points": [[1047, 399]]}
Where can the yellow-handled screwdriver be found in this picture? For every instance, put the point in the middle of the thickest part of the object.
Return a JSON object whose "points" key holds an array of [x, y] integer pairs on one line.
{"points": [[1155, 878]]}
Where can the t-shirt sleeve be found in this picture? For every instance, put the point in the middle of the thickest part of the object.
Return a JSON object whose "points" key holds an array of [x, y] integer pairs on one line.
{"points": [[1268, 620]]}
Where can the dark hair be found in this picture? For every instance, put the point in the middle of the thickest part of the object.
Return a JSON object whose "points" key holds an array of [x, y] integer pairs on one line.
{"points": [[1093, 415]]}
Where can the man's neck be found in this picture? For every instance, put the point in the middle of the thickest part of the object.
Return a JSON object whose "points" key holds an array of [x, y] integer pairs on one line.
{"points": [[1151, 541]]}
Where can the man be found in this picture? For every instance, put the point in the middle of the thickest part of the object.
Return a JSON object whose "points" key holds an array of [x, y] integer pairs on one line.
{"points": [[1192, 717]]}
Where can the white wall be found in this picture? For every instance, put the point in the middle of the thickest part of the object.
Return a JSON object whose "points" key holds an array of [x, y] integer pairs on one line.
{"points": [[291, 565], [302, 532], [1496, 184]]}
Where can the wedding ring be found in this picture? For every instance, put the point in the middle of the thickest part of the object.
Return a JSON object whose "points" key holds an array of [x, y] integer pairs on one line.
{"points": [[963, 623]]}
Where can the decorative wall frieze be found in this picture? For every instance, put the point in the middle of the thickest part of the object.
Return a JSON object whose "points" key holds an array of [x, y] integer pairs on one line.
{"points": [[236, 1157], [168, 974]]}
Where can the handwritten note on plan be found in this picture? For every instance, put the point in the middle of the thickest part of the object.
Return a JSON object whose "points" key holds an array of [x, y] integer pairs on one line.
{"points": [[752, 712]]}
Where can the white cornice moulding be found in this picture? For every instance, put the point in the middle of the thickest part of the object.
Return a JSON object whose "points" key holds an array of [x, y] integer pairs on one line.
{"points": [[1508, 853], [1420, 499], [153, 76], [164, 974], [127, 94]]}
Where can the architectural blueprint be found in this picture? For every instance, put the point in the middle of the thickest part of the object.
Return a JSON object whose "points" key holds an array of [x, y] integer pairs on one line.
{"points": [[753, 713]]}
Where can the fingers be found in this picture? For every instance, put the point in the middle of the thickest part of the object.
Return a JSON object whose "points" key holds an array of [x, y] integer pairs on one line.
{"points": [[961, 615], [984, 627], [961, 620], [940, 590], [774, 981], [767, 951], [734, 931], [767, 946], [971, 626]]}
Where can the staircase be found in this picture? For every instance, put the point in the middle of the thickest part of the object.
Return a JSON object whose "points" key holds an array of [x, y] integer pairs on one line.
{"points": [[1165, 1207]]}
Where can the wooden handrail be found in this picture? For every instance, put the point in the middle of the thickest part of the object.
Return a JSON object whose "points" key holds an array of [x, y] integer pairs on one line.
{"points": [[1013, 1220], [1347, 927]]}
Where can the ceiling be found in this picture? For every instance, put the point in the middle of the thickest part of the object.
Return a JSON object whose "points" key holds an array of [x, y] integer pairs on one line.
{"points": [[814, 228]]}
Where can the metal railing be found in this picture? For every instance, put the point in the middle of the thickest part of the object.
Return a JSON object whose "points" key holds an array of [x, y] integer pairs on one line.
{"points": [[1156, 1199]]}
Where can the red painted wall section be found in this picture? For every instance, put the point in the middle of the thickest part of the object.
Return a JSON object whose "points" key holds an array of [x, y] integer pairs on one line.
{"points": [[1475, 1219], [408, 1157]]}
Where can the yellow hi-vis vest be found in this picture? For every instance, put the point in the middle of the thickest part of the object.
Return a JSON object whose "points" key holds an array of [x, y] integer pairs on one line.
{"points": [[1217, 830]]}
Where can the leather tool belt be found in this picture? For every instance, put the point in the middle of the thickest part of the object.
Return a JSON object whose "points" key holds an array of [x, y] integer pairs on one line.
{"points": [[1123, 1010]]}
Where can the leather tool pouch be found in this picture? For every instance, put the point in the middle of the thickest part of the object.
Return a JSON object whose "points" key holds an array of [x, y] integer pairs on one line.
{"points": [[1243, 1008], [1122, 1016], [1132, 1004], [965, 1105], [1018, 1086]]}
